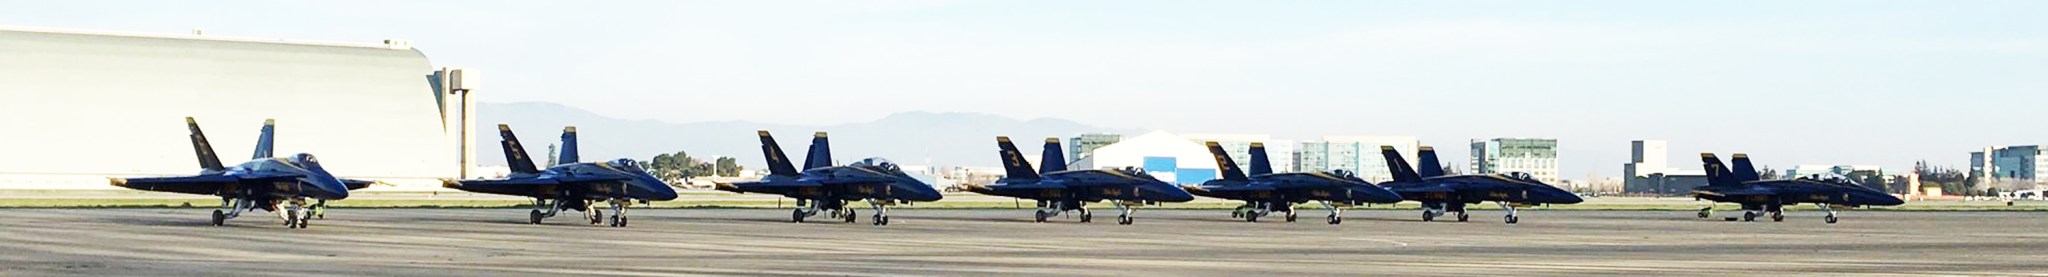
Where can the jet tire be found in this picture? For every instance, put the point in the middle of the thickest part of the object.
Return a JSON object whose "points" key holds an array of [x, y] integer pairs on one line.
{"points": [[533, 217], [219, 218], [1462, 217]]}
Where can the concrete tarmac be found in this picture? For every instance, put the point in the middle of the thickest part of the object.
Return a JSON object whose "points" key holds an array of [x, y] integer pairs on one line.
{"points": [[944, 242]]}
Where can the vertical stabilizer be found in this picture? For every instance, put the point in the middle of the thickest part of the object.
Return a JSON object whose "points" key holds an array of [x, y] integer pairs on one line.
{"points": [[568, 154], [1426, 164], [1717, 173], [778, 163], [1229, 167], [207, 159], [266, 140], [1053, 158], [515, 154], [1744, 171], [1261, 165], [820, 154], [1398, 166], [1013, 161]]}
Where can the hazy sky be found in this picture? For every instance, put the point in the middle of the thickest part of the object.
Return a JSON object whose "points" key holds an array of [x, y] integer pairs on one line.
{"points": [[1790, 82]]}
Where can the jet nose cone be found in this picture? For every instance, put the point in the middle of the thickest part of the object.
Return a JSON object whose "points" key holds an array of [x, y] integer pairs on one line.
{"points": [[1169, 193], [1560, 196], [1883, 199], [655, 189], [328, 188]]}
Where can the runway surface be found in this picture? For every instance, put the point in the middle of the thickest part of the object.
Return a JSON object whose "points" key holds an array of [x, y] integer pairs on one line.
{"points": [[667, 242]]}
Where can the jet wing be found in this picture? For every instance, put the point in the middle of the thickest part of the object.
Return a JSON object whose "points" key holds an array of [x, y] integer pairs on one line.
{"points": [[202, 184], [1031, 185], [1749, 191], [533, 187], [1422, 188], [354, 184], [1083, 178], [780, 184], [1232, 188]]}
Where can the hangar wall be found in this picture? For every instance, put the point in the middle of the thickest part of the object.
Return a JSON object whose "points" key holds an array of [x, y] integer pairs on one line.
{"points": [[79, 107]]}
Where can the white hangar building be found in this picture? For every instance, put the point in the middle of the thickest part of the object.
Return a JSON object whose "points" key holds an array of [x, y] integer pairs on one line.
{"points": [[1171, 158], [83, 106]]}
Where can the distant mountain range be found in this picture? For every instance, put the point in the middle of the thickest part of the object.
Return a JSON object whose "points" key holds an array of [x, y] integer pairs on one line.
{"points": [[908, 138]]}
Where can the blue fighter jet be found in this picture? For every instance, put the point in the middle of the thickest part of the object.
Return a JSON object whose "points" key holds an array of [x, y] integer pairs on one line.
{"points": [[1264, 192], [1759, 197], [571, 185], [281, 185], [822, 187], [1441, 194], [1059, 190]]}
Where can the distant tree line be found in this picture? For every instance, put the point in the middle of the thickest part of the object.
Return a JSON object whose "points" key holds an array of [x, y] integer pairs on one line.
{"points": [[679, 166]]}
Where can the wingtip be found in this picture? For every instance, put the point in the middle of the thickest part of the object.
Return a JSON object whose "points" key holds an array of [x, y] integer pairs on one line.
{"points": [[569, 129], [1705, 155], [1386, 148], [504, 127], [189, 120], [1212, 144], [1425, 148], [118, 182], [1740, 156], [1052, 140], [818, 134], [762, 133], [1002, 139], [269, 121], [451, 183], [1259, 144]]}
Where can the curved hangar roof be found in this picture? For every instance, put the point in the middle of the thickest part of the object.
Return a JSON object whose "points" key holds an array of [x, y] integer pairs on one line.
{"points": [[93, 105]]}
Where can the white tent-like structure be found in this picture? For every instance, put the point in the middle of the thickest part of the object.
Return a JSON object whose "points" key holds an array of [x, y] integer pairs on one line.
{"points": [[1169, 157]]}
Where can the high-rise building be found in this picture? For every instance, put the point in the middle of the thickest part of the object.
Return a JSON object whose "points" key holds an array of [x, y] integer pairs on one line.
{"points": [[1647, 157], [1279, 152], [1084, 145], [2017, 163], [1357, 154], [1535, 156]]}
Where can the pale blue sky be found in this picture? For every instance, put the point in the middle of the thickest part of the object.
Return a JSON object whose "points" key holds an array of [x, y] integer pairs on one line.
{"points": [[1791, 82]]}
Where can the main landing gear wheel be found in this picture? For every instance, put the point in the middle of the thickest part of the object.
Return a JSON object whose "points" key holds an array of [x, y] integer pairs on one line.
{"points": [[303, 222], [1513, 219], [1706, 212], [618, 221], [219, 218], [1427, 216], [1831, 219], [1462, 217], [1334, 220], [1039, 216], [1123, 220], [1777, 216], [881, 220], [1087, 217], [596, 217], [1251, 217], [533, 217], [1290, 217], [796, 216], [849, 216], [1748, 216]]}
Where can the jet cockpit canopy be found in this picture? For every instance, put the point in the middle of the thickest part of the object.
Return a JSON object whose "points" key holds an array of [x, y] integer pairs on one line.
{"points": [[305, 160], [626, 164], [880, 164]]}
